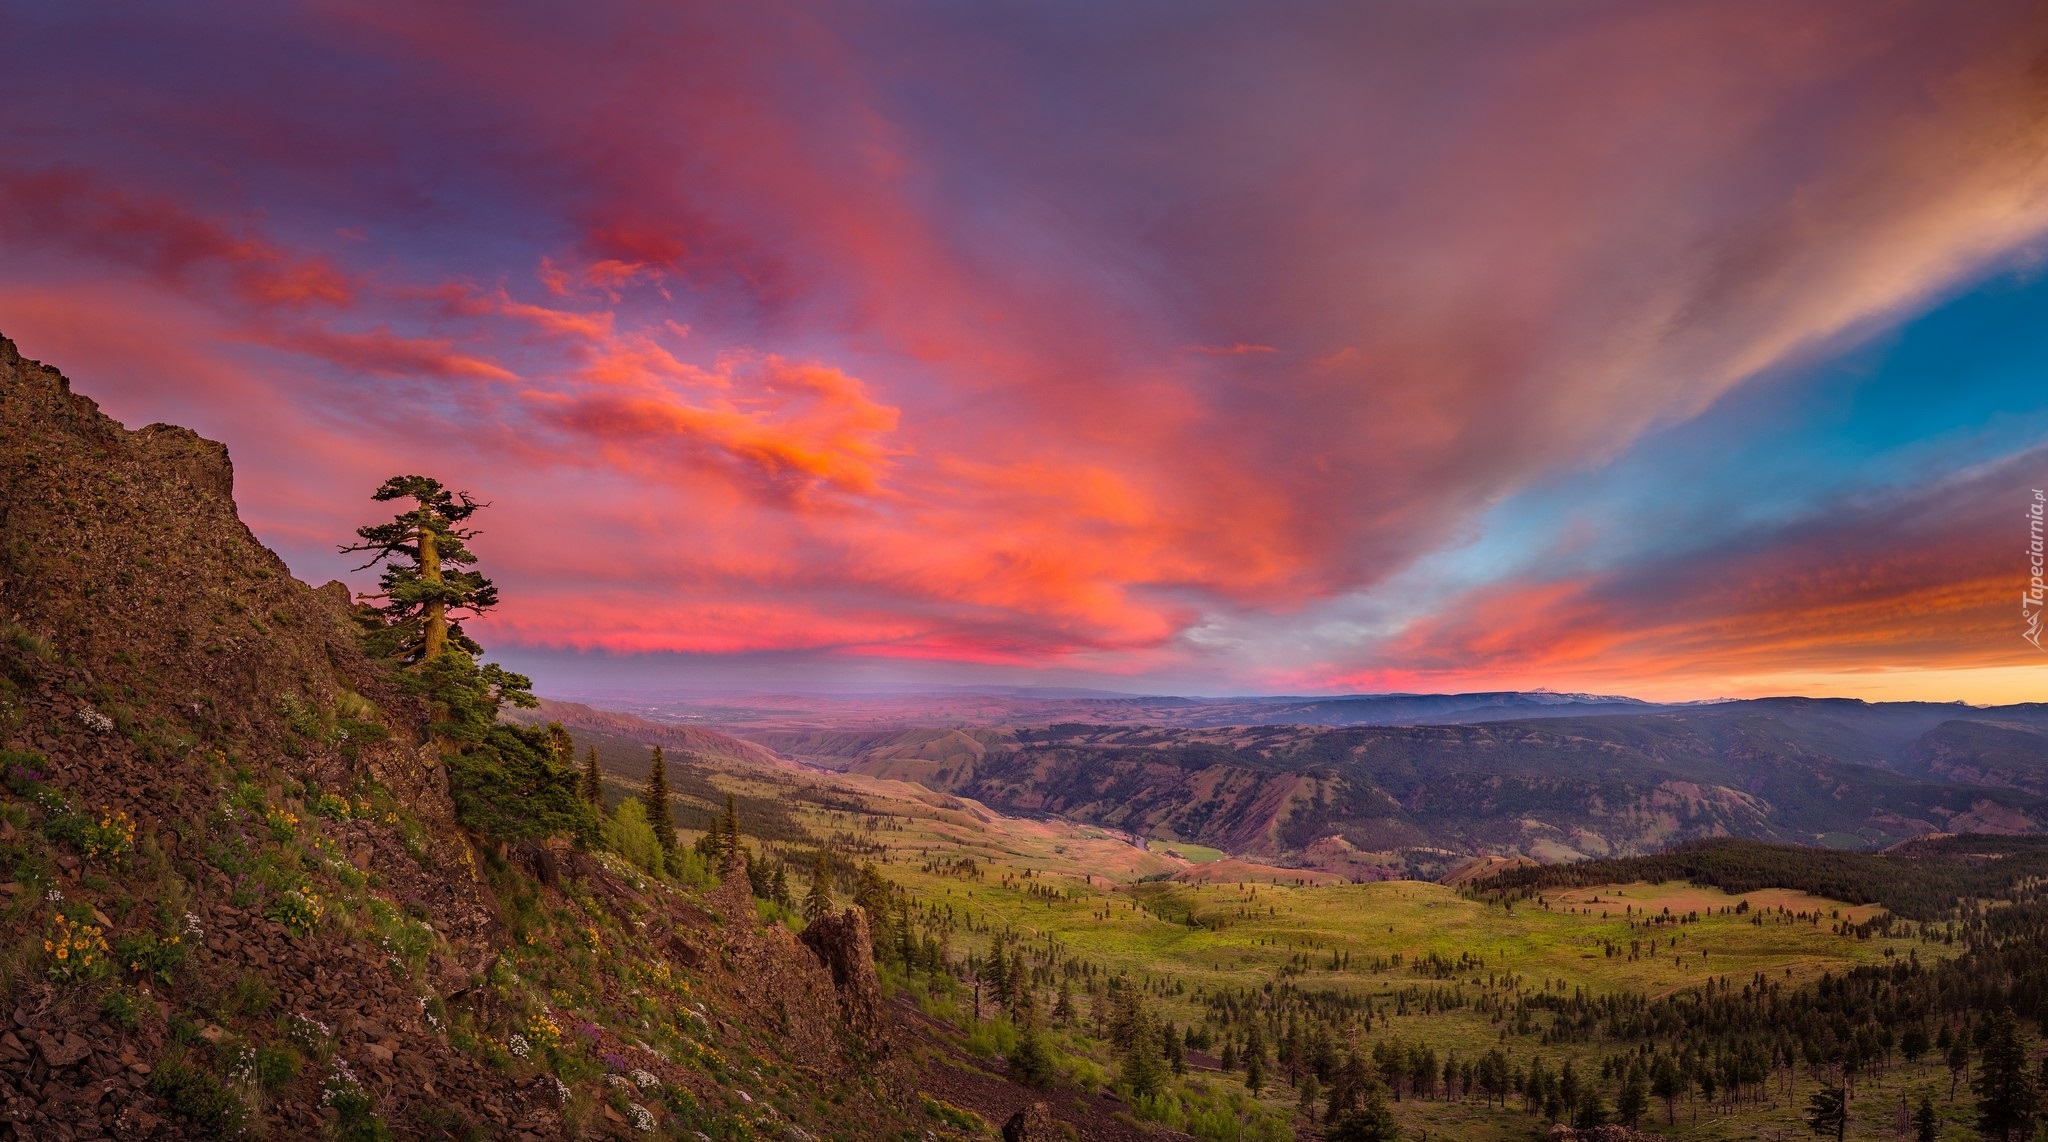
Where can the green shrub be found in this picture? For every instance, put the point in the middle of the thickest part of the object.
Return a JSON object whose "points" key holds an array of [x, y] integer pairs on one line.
{"points": [[298, 910], [358, 1121], [121, 1009], [250, 994], [197, 1095], [151, 955], [629, 834], [277, 1064]]}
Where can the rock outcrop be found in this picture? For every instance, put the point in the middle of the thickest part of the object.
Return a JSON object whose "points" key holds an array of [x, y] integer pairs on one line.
{"points": [[846, 946]]}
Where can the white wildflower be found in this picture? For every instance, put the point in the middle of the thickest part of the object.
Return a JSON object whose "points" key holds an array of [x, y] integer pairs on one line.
{"points": [[645, 1080], [561, 1089], [95, 721], [643, 1119], [518, 1045], [54, 896], [342, 1081]]}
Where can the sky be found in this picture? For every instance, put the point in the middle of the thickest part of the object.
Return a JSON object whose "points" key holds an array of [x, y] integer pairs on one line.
{"points": [[1682, 350]]}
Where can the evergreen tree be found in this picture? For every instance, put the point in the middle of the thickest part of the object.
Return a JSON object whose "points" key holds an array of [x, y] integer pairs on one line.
{"points": [[1031, 1061], [1926, 1127], [1634, 1098], [1144, 1067], [1311, 1093], [561, 745], [422, 552], [593, 780], [508, 782], [1372, 1122], [778, 886], [2006, 1096], [1063, 1009], [995, 970], [1254, 1073], [1827, 1111], [656, 798], [1667, 1083], [818, 901]]}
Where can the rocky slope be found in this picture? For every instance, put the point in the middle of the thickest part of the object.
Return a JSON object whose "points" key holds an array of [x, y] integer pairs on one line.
{"points": [[236, 898]]}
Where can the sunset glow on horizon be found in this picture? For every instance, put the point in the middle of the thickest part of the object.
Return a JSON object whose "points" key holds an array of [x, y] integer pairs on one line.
{"points": [[1679, 351]]}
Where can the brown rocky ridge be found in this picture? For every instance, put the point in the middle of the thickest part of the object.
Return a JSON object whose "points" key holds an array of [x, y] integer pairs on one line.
{"points": [[237, 901]]}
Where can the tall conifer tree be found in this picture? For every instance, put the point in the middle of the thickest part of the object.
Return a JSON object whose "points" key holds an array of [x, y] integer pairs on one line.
{"points": [[2006, 1096], [818, 902], [656, 799], [593, 779], [424, 583]]}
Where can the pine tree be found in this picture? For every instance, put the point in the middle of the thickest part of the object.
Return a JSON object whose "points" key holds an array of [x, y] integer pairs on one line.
{"points": [[1372, 1122], [1144, 1067], [1311, 1093], [818, 901], [1926, 1127], [561, 745], [422, 552], [778, 886], [2006, 1096], [995, 969], [656, 798], [508, 782], [1666, 1083], [1827, 1111], [1031, 1060], [1634, 1098], [593, 780]]}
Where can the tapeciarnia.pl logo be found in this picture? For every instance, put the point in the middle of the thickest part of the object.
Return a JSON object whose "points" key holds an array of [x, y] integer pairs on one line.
{"points": [[2031, 602]]}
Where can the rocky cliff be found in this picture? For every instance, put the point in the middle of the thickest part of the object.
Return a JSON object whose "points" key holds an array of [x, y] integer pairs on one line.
{"points": [[236, 899]]}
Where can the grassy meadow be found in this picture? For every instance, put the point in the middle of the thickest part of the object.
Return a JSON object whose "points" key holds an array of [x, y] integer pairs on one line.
{"points": [[1433, 965]]}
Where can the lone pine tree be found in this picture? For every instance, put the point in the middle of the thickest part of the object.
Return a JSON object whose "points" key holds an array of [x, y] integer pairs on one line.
{"points": [[656, 799], [508, 782], [423, 555]]}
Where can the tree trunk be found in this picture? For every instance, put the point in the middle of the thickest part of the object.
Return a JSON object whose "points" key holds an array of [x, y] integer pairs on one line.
{"points": [[437, 612]]}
